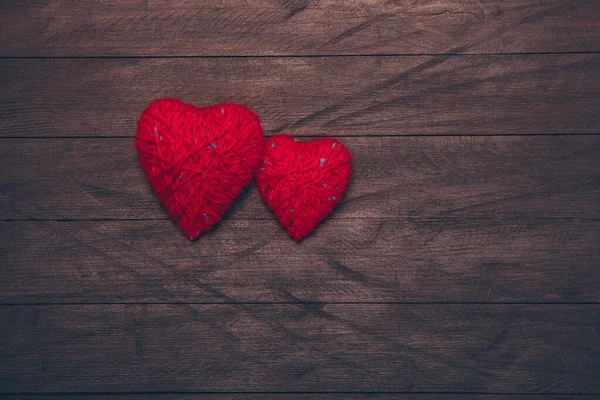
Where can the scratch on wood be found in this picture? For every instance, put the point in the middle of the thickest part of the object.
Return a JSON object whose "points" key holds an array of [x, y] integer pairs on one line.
{"points": [[297, 10], [354, 275], [355, 29]]}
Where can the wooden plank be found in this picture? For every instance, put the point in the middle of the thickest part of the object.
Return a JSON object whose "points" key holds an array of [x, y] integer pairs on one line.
{"points": [[297, 396], [414, 177], [346, 260], [263, 27], [332, 347], [348, 96]]}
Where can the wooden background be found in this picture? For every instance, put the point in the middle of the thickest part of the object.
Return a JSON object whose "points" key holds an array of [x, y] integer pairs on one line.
{"points": [[463, 262]]}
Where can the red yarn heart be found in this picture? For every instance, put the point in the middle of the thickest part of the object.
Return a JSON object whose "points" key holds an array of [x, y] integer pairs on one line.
{"points": [[198, 160], [303, 181]]}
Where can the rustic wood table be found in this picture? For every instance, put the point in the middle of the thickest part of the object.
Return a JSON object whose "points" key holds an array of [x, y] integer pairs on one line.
{"points": [[464, 261]]}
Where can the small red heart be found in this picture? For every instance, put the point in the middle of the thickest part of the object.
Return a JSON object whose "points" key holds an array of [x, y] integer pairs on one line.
{"points": [[303, 181], [198, 160]]}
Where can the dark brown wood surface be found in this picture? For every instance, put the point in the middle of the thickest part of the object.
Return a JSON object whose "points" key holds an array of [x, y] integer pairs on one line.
{"points": [[418, 348], [295, 27], [463, 262], [399, 260], [416, 177], [297, 396], [339, 96]]}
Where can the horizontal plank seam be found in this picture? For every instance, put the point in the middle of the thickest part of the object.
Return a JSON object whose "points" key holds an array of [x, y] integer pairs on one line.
{"points": [[308, 303], [337, 218], [288, 392], [390, 135], [541, 53]]}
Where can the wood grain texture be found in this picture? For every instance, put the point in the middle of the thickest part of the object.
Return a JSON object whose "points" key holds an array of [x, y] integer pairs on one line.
{"points": [[348, 96], [355, 260], [296, 396], [407, 177], [264, 27], [415, 348]]}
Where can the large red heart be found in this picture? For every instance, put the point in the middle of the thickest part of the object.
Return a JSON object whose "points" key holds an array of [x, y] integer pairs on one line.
{"points": [[198, 160], [303, 181]]}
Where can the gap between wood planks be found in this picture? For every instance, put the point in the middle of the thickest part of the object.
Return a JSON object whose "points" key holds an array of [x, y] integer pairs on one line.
{"points": [[310, 137], [330, 394], [116, 57], [334, 393], [308, 303]]}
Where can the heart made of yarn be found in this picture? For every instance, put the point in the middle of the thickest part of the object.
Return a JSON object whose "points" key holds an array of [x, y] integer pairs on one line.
{"points": [[303, 181], [198, 160]]}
